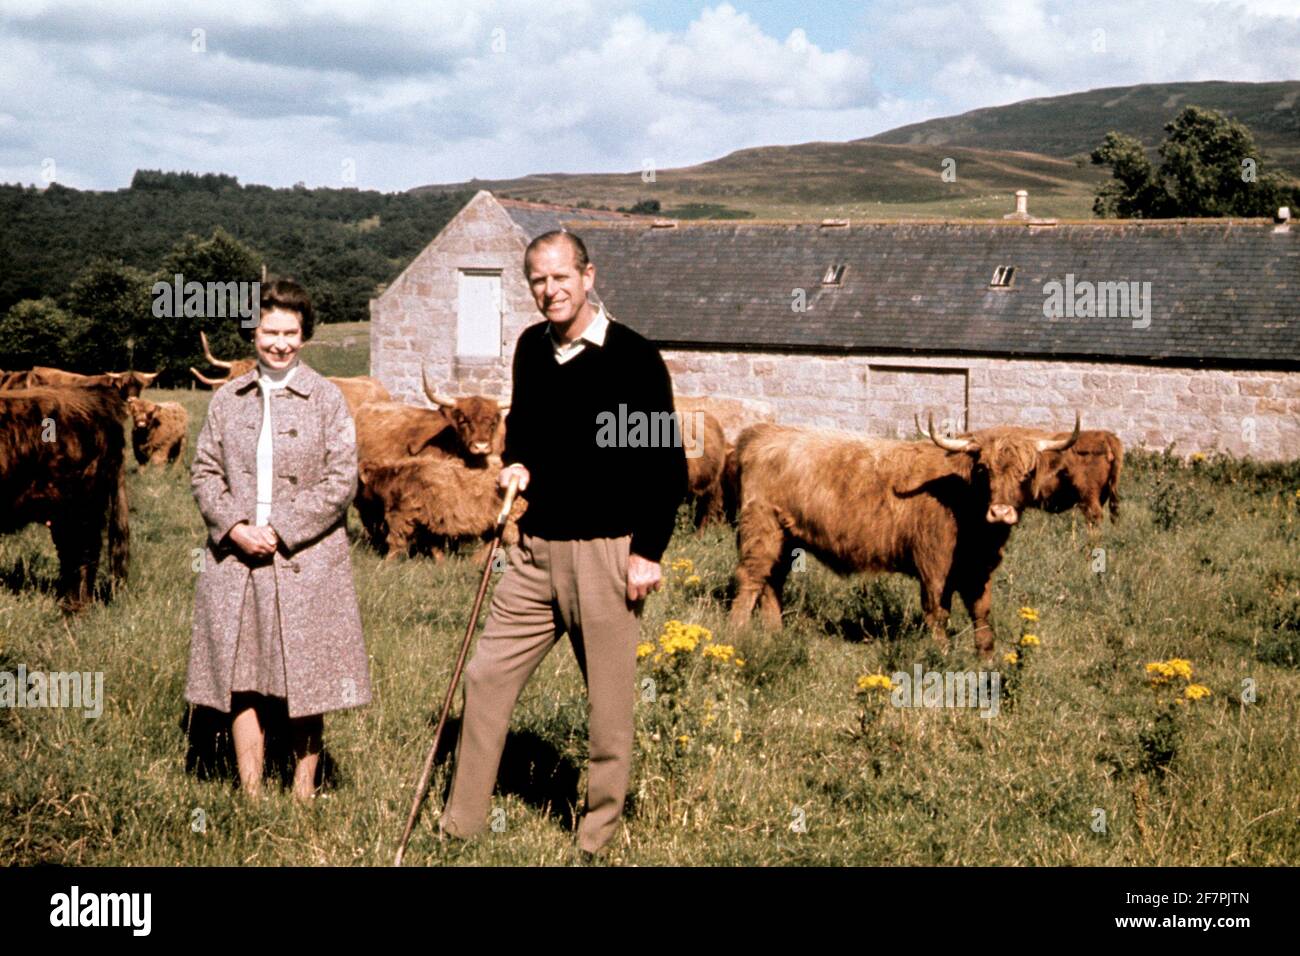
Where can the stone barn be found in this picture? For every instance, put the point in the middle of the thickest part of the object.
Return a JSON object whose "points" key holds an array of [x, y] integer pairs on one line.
{"points": [[1183, 332]]}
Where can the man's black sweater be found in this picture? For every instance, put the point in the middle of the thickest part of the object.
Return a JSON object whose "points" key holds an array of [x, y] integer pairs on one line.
{"points": [[589, 477]]}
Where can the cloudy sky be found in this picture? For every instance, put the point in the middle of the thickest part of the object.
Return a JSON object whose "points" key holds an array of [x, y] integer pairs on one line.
{"points": [[399, 94]]}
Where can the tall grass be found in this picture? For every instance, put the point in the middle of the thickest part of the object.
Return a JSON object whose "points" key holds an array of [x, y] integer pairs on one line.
{"points": [[782, 761]]}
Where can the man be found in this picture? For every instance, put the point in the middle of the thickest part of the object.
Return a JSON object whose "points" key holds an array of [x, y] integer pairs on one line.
{"points": [[600, 514]]}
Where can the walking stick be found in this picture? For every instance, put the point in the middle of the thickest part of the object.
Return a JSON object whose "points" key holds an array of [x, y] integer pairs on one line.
{"points": [[422, 788]]}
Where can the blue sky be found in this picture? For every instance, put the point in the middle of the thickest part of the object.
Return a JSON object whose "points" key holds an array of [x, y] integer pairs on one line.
{"points": [[399, 94]]}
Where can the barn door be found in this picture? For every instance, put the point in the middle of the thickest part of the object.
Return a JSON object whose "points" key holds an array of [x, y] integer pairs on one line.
{"points": [[478, 313]]}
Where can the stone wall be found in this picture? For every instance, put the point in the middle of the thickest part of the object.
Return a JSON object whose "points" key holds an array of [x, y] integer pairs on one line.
{"points": [[1255, 414], [415, 318]]}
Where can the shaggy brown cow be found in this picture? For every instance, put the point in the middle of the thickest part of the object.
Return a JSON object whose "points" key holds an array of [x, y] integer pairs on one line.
{"points": [[62, 462], [940, 511], [476, 424], [126, 384], [733, 414], [467, 430], [159, 431], [430, 503], [360, 390], [1086, 475], [706, 456]]}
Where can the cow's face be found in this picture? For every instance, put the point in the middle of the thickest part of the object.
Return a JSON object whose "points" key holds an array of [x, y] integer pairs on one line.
{"points": [[476, 421], [142, 413], [476, 418], [1007, 460]]}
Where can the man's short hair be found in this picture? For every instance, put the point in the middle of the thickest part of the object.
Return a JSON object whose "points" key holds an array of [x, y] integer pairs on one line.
{"points": [[290, 296], [556, 235]]}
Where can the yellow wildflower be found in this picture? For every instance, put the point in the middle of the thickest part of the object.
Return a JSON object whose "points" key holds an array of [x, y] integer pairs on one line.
{"points": [[1196, 691], [692, 580], [684, 739], [739, 662], [683, 564], [1181, 667], [1198, 456], [719, 652], [735, 738], [874, 681], [1159, 672], [1030, 640], [1028, 614], [1011, 658], [644, 649]]}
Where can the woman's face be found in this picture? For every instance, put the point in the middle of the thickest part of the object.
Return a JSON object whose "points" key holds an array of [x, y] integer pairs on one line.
{"points": [[278, 337]]}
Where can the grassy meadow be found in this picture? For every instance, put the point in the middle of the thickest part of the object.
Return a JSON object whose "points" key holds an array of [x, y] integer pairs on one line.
{"points": [[779, 760]]}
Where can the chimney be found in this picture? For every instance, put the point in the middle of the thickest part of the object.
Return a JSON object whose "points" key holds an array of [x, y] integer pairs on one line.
{"points": [[1282, 219], [1022, 206]]}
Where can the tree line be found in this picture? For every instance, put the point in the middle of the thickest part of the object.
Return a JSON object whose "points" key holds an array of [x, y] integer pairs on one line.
{"points": [[80, 264]]}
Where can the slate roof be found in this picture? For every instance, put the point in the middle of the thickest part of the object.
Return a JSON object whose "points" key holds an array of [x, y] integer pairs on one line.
{"points": [[1223, 293], [536, 218]]}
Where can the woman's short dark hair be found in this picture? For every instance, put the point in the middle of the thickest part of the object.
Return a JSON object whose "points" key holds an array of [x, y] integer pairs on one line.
{"points": [[290, 296]]}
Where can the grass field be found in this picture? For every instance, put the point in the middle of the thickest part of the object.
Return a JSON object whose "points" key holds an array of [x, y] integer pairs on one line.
{"points": [[778, 761]]}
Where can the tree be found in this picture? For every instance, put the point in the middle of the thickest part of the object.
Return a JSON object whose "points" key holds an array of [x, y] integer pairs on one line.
{"points": [[38, 332], [171, 343], [1210, 166], [1132, 192], [114, 301]]}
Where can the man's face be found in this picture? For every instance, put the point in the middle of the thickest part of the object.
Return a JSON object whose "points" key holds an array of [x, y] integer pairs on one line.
{"points": [[559, 288]]}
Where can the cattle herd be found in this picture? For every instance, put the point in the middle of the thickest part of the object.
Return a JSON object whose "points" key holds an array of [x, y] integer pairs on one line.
{"points": [[940, 509]]}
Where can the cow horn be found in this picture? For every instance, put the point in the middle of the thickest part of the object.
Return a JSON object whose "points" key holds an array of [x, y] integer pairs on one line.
{"points": [[210, 382], [439, 400], [147, 377], [503, 407], [1051, 444], [207, 352], [947, 444]]}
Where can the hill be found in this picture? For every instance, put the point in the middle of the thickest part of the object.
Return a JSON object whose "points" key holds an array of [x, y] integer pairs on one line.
{"points": [[1072, 125], [818, 180], [1040, 145]]}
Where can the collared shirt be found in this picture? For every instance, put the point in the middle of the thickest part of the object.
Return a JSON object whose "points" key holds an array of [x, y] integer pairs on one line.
{"points": [[268, 380], [593, 333]]}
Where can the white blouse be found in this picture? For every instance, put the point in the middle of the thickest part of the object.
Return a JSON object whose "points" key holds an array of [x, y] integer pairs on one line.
{"points": [[269, 380]]}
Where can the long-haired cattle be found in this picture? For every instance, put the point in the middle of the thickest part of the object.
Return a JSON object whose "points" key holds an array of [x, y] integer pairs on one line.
{"points": [[62, 462], [430, 503], [158, 431], [706, 456], [1086, 475], [940, 511]]}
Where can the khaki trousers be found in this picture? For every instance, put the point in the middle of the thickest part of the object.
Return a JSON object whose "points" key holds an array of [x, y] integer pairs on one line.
{"points": [[550, 588]]}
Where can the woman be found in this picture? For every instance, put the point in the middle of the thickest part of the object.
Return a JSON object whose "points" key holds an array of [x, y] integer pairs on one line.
{"points": [[275, 610]]}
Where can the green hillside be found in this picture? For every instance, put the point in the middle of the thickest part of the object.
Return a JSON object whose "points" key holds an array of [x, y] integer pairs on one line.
{"points": [[817, 180], [1040, 145], [1074, 124]]}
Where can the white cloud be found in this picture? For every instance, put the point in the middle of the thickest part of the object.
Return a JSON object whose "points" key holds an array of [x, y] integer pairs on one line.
{"points": [[415, 93]]}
